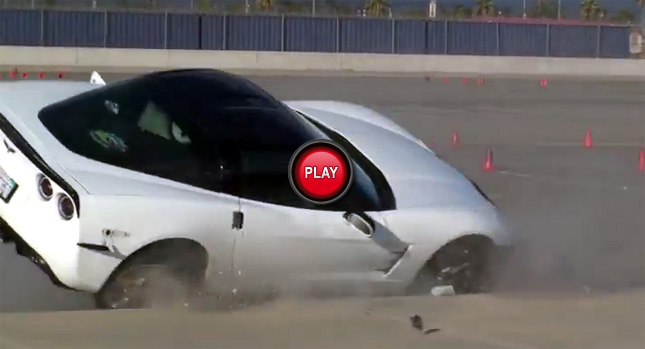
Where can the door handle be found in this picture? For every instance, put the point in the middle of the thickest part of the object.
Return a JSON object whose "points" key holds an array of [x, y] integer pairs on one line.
{"points": [[238, 220]]}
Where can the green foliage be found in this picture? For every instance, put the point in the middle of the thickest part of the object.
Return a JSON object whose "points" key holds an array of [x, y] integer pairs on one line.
{"points": [[624, 16], [377, 8], [293, 7], [461, 12], [544, 9], [484, 8], [264, 5], [414, 14], [503, 11], [590, 10], [205, 6]]}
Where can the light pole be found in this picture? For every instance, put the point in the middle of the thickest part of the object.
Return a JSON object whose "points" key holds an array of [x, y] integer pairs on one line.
{"points": [[643, 20], [559, 9], [524, 9]]}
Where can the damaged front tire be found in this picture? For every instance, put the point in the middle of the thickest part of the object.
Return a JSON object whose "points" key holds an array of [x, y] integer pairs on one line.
{"points": [[463, 264]]}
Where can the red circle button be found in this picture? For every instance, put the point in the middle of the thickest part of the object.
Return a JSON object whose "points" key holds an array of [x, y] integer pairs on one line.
{"points": [[320, 171]]}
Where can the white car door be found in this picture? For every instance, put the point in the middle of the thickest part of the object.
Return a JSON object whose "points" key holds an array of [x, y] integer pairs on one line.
{"points": [[287, 248], [284, 241]]}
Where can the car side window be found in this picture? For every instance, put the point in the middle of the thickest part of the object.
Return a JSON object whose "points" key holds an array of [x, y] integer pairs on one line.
{"points": [[127, 126], [265, 139]]}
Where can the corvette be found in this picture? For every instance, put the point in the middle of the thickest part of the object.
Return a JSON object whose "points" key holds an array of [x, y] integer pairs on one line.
{"points": [[174, 184]]}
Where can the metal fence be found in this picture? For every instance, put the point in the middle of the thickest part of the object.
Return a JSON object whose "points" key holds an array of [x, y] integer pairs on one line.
{"points": [[307, 34], [618, 11]]}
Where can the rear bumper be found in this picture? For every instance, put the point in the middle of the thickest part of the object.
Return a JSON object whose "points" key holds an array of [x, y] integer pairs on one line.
{"points": [[8, 235]]}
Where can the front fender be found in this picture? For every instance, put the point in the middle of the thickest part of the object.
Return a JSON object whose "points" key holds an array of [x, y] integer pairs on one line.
{"points": [[427, 230], [436, 225]]}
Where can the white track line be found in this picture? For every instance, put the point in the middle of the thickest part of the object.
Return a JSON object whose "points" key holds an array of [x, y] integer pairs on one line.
{"points": [[552, 179], [596, 144], [514, 174]]}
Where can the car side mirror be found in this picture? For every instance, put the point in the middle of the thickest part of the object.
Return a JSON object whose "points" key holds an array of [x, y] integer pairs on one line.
{"points": [[361, 222], [376, 232]]}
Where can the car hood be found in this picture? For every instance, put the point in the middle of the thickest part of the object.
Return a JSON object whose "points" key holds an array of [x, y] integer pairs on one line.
{"points": [[418, 177]]}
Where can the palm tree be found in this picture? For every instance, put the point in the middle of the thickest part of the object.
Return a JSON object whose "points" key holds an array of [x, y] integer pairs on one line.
{"points": [[589, 9], [264, 5], [484, 8], [377, 7]]}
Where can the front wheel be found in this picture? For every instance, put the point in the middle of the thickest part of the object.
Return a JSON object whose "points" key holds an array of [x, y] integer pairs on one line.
{"points": [[463, 264]]}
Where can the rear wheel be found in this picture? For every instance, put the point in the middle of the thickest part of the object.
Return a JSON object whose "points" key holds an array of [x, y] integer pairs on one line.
{"points": [[144, 286], [166, 275], [463, 264]]}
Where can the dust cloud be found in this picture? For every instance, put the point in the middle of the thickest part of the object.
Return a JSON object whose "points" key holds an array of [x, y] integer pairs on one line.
{"points": [[580, 238]]}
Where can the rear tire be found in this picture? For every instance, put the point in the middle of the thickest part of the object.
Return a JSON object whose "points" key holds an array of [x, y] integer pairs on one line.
{"points": [[155, 279]]}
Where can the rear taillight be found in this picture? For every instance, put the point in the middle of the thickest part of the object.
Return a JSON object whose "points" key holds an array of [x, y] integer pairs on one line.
{"points": [[45, 188], [65, 207]]}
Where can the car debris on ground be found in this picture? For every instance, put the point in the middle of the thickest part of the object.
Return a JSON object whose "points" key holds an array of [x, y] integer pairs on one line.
{"points": [[440, 291], [416, 321]]}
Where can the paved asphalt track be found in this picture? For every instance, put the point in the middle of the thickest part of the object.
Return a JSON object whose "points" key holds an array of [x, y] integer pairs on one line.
{"points": [[578, 279]]}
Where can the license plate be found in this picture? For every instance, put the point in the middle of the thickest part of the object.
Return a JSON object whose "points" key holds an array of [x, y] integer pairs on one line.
{"points": [[7, 186]]}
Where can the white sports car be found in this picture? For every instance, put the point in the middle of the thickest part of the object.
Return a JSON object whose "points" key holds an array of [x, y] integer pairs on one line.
{"points": [[175, 184]]}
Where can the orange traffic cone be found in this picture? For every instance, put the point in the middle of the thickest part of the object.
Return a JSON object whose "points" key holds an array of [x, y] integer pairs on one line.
{"points": [[488, 163], [641, 161], [455, 139], [588, 141]]}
